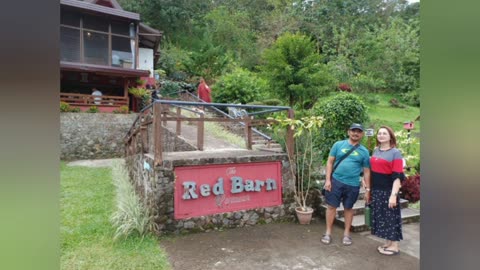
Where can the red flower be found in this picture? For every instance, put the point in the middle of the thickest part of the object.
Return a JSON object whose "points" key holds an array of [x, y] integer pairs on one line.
{"points": [[345, 87]]}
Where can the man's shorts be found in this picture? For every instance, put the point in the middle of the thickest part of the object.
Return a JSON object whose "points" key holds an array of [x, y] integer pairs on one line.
{"points": [[347, 194]]}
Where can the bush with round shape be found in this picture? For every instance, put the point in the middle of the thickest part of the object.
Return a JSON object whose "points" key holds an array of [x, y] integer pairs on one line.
{"points": [[339, 112]]}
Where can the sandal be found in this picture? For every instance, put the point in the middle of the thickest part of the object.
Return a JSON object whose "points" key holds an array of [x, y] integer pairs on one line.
{"points": [[389, 252], [347, 240], [326, 239]]}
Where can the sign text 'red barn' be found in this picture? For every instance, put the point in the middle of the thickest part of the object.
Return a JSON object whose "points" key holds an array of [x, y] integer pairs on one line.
{"points": [[212, 189]]}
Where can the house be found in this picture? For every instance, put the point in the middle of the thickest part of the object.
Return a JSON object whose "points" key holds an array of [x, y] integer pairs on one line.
{"points": [[107, 48]]}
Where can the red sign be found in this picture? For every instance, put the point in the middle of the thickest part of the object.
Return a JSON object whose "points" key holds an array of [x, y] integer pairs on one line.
{"points": [[212, 189]]}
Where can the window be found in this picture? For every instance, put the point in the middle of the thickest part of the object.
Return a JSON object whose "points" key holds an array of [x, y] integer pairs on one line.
{"points": [[91, 39], [69, 44], [95, 23], [122, 52], [120, 28], [95, 48], [69, 18]]}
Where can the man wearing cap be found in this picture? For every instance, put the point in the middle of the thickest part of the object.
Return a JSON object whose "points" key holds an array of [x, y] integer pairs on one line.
{"points": [[343, 185]]}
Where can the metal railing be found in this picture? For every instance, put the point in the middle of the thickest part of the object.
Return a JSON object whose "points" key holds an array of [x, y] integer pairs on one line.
{"points": [[265, 136], [159, 112]]}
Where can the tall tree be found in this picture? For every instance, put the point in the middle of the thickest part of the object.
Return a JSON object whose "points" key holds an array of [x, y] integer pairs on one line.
{"points": [[295, 70]]}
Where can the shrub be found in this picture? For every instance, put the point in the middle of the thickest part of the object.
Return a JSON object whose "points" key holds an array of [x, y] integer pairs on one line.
{"points": [[410, 148], [411, 188], [339, 112], [412, 98], [365, 84], [92, 109], [267, 102], [272, 102], [65, 107], [240, 86], [304, 158], [122, 109], [171, 89], [75, 110], [138, 92], [130, 217], [140, 82]]}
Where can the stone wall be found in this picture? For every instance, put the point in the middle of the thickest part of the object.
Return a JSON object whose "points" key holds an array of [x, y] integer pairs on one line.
{"points": [[155, 185], [93, 135], [101, 135]]}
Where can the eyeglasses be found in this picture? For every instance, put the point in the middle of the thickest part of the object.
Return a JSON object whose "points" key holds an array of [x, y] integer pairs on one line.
{"points": [[356, 130]]}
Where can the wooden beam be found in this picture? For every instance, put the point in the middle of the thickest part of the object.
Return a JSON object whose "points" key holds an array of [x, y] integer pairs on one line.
{"points": [[248, 132], [290, 140], [144, 136], [157, 134], [179, 122], [200, 132]]}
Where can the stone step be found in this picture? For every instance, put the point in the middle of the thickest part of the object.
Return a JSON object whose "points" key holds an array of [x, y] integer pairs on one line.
{"points": [[358, 223], [260, 142], [358, 208], [264, 148]]}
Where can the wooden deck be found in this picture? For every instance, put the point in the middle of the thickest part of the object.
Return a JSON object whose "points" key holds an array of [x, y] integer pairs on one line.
{"points": [[103, 103]]}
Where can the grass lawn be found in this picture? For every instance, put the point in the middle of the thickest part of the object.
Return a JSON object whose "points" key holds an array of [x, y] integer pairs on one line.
{"points": [[383, 113], [86, 234]]}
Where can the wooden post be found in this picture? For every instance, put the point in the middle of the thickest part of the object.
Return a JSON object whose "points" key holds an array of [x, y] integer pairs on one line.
{"points": [[200, 132], [157, 133], [135, 141], [248, 132], [179, 123], [165, 108], [144, 136], [290, 140]]}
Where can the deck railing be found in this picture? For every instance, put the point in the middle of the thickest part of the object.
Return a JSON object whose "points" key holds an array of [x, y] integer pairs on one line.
{"points": [[89, 100], [158, 113]]}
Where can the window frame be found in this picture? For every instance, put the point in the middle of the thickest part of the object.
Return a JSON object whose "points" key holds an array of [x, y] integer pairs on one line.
{"points": [[110, 35]]}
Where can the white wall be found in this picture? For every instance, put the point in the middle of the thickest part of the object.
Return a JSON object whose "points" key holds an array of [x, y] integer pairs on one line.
{"points": [[145, 59]]}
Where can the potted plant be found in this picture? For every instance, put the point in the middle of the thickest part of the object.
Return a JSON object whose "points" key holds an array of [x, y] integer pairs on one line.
{"points": [[302, 161], [141, 97]]}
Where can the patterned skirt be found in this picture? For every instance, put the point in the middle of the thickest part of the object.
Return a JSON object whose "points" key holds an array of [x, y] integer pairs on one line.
{"points": [[386, 222]]}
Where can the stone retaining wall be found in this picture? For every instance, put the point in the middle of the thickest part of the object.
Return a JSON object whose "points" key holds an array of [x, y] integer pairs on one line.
{"points": [[93, 135], [155, 185], [101, 135]]}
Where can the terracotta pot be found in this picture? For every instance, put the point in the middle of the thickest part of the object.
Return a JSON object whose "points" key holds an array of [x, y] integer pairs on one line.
{"points": [[304, 217]]}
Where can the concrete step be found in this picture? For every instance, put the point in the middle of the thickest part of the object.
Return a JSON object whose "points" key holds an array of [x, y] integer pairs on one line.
{"points": [[358, 223], [265, 148], [358, 208]]}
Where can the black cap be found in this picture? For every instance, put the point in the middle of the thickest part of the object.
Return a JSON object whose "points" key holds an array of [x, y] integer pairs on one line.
{"points": [[356, 126]]}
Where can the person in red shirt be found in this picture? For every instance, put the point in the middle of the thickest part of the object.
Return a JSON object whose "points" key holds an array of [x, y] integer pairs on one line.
{"points": [[204, 91], [386, 180]]}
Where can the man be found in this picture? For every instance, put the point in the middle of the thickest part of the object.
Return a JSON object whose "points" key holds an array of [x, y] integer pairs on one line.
{"points": [[96, 92], [343, 185]]}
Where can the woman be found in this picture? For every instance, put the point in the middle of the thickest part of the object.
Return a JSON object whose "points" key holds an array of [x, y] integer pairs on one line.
{"points": [[204, 91], [386, 176]]}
